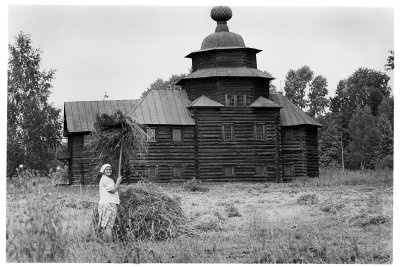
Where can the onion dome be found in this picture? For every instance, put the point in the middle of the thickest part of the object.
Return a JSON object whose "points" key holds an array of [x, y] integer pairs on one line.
{"points": [[222, 36]]}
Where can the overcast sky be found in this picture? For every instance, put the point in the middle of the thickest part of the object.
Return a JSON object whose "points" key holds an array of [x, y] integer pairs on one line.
{"points": [[121, 50]]}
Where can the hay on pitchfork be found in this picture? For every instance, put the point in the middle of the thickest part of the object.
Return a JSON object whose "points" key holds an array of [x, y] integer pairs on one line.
{"points": [[147, 212], [117, 139]]}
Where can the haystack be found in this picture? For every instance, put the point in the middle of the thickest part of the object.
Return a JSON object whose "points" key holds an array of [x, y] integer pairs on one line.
{"points": [[148, 212]]}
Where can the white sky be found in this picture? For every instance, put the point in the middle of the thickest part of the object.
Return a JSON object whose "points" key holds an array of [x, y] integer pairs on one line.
{"points": [[121, 50]]}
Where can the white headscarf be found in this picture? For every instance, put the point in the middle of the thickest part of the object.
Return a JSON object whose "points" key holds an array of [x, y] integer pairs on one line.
{"points": [[102, 169]]}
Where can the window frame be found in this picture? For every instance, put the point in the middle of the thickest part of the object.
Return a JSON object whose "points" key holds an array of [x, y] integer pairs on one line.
{"points": [[232, 132], [225, 167], [263, 132], [148, 171], [180, 135], [153, 139], [232, 100], [174, 168], [264, 173]]}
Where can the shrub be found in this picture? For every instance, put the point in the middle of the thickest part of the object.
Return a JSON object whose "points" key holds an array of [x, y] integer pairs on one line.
{"points": [[385, 163]]}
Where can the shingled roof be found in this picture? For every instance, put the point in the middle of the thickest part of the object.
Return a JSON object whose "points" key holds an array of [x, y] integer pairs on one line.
{"points": [[164, 107], [204, 101], [225, 72], [79, 116], [167, 107], [157, 107], [291, 115], [262, 102]]}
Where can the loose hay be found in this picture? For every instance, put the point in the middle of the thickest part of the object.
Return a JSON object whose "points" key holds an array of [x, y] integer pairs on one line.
{"points": [[307, 199], [147, 212]]}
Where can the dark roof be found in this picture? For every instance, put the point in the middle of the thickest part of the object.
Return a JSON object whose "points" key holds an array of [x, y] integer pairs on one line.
{"points": [[262, 102], [223, 48], [226, 72], [164, 107], [204, 101], [222, 39], [291, 115], [157, 107], [80, 115]]}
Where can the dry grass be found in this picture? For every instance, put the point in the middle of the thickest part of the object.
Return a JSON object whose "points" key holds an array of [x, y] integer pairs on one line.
{"points": [[350, 223]]}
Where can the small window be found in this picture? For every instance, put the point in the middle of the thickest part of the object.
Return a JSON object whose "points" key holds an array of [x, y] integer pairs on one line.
{"points": [[176, 135], [230, 100], [259, 131], [176, 171], [151, 134], [227, 131], [288, 170], [241, 100], [152, 171], [261, 170], [235, 100], [229, 170]]}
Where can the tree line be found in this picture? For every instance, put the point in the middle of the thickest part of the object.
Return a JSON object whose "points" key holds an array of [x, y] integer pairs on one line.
{"points": [[357, 123]]}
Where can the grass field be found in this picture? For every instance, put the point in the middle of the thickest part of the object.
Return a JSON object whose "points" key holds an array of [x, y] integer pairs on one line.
{"points": [[341, 217]]}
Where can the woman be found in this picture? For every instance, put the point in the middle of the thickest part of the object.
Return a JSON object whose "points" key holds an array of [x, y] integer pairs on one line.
{"points": [[109, 201]]}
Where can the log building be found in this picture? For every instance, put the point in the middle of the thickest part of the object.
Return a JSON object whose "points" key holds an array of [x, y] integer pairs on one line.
{"points": [[224, 125]]}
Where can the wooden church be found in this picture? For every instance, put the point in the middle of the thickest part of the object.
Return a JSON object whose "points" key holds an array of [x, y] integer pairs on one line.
{"points": [[223, 125]]}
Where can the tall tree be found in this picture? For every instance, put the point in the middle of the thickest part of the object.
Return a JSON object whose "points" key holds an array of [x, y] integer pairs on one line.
{"points": [[296, 82], [33, 124], [390, 61], [317, 96], [365, 87], [363, 136], [160, 84], [329, 141]]}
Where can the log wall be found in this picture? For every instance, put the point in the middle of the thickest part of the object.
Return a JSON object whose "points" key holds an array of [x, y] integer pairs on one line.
{"points": [[224, 58], [243, 152], [300, 151], [165, 154], [216, 89]]}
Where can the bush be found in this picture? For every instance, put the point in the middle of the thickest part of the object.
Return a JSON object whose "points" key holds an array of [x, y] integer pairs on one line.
{"points": [[385, 163]]}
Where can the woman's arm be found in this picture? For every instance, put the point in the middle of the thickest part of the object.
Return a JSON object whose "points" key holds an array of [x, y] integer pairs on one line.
{"points": [[115, 189]]}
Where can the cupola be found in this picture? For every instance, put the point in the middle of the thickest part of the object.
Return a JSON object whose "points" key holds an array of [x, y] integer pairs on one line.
{"points": [[222, 36]]}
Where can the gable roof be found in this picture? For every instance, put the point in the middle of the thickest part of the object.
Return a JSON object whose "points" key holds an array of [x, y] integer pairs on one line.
{"points": [[157, 107], [226, 72], [79, 116], [291, 115], [204, 101], [164, 107], [262, 102]]}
